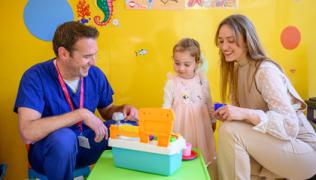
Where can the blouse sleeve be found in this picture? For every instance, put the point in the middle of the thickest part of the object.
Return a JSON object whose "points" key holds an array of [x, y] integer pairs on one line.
{"points": [[280, 120], [168, 94]]}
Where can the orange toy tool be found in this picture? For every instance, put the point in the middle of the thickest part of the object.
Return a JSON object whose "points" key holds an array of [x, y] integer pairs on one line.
{"points": [[157, 122]]}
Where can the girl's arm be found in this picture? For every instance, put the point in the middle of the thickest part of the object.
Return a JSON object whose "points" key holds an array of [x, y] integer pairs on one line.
{"points": [[168, 94], [208, 97]]}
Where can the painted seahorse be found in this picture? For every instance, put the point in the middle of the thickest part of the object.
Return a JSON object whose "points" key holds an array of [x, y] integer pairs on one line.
{"points": [[107, 8]]}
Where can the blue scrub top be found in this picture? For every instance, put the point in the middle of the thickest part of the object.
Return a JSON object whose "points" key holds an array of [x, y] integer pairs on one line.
{"points": [[40, 90]]}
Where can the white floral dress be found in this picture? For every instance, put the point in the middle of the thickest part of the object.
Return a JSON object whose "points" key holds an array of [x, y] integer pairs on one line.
{"points": [[192, 104]]}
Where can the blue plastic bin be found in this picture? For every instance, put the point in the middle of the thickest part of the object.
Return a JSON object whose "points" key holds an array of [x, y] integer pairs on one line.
{"points": [[150, 158], [147, 162]]}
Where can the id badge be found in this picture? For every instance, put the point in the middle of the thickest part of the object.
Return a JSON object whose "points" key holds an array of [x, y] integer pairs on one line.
{"points": [[83, 142]]}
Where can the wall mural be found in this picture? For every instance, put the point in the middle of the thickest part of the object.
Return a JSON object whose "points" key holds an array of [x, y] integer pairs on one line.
{"points": [[83, 11], [180, 4], [290, 37], [107, 8], [41, 19]]}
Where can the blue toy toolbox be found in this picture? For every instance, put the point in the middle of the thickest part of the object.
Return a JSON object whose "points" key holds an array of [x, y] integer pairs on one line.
{"points": [[147, 157]]}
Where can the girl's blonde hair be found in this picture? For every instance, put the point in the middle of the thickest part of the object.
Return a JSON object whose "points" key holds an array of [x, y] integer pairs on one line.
{"points": [[190, 45], [242, 28]]}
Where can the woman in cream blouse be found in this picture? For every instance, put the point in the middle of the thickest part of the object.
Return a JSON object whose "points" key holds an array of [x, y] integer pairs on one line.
{"points": [[264, 131]]}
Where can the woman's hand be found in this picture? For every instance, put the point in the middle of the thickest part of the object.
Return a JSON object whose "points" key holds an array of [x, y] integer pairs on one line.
{"points": [[229, 113]]}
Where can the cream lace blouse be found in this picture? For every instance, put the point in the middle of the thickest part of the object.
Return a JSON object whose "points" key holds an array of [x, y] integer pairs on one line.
{"points": [[279, 106]]}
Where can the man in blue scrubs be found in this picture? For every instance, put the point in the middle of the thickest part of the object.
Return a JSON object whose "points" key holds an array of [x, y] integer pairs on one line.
{"points": [[56, 102]]}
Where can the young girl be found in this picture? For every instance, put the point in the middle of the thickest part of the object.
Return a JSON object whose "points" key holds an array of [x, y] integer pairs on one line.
{"points": [[188, 94]]}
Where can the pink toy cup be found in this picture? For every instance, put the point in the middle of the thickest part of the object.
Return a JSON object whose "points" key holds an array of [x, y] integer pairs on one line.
{"points": [[187, 150]]}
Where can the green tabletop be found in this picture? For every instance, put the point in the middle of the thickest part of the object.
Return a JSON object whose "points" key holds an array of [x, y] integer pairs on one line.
{"points": [[105, 169]]}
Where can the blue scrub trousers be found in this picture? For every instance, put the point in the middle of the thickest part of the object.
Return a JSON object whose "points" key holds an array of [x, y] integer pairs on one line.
{"points": [[58, 154]]}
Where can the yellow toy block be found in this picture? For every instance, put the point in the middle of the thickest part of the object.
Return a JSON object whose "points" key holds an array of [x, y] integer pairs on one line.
{"points": [[124, 130]]}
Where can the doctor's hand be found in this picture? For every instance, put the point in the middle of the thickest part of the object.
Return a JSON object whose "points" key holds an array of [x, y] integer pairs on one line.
{"points": [[130, 112], [96, 124]]}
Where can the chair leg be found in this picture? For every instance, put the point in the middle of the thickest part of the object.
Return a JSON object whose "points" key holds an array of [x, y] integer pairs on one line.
{"points": [[3, 168], [34, 175], [82, 172]]}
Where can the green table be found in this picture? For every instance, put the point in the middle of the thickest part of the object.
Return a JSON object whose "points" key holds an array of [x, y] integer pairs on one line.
{"points": [[105, 169]]}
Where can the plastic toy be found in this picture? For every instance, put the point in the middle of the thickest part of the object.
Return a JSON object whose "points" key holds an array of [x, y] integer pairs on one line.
{"points": [[149, 147], [157, 122], [118, 116], [152, 121], [218, 105], [192, 156]]}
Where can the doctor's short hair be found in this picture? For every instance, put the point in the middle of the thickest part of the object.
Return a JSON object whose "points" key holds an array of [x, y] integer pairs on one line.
{"points": [[68, 33]]}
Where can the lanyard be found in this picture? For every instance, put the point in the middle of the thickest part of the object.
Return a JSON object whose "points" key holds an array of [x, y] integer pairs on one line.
{"points": [[65, 91]]}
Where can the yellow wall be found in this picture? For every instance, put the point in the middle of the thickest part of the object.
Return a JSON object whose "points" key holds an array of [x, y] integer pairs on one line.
{"points": [[139, 80]]}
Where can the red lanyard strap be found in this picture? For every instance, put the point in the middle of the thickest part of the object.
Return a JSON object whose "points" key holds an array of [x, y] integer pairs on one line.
{"points": [[67, 96]]}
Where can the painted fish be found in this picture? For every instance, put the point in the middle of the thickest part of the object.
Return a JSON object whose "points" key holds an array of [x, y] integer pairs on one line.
{"points": [[141, 52]]}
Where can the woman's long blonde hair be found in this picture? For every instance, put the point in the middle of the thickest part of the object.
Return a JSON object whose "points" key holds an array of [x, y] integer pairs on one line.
{"points": [[242, 28]]}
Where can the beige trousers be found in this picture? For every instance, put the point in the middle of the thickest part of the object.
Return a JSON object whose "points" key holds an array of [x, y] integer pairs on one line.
{"points": [[244, 153]]}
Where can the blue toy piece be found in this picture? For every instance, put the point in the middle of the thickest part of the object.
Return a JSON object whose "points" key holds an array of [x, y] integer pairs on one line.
{"points": [[218, 105], [78, 172]]}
